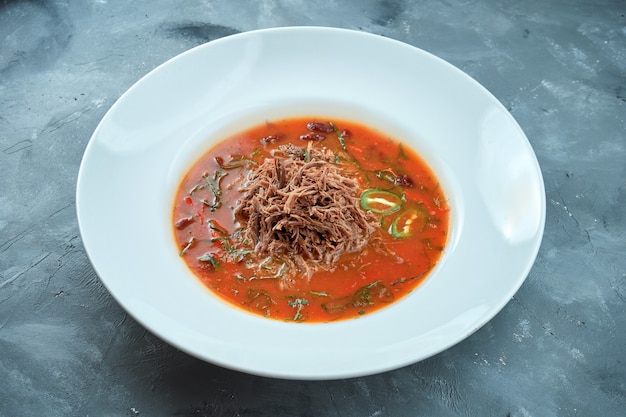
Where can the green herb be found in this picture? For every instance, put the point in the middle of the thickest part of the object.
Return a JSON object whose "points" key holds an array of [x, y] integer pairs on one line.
{"points": [[404, 280], [213, 206], [213, 182], [342, 142], [259, 300], [195, 188], [236, 161], [263, 264], [208, 257], [401, 154], [373, 284], [319, 293], [189, 244], [279, 273], [236, 254], [298, 304], [281, 270], [269, 265], [363, 297], [387, 175], [213, 226]]}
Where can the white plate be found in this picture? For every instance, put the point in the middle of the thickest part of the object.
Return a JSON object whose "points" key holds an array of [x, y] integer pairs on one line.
{"points": [[149, 138]]}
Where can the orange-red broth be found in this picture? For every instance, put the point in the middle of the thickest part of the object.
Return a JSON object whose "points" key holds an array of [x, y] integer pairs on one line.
{"points": [[361, 283]]}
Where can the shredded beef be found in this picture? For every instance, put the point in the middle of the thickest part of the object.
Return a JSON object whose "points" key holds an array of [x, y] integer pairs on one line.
{"points": [[301, 209]]}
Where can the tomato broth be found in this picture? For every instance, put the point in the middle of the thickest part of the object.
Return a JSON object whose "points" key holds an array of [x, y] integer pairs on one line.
{"points": [[397, 186]]}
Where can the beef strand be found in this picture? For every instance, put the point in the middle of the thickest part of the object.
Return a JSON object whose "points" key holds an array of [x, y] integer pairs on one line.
{"points": [[300, 207]]}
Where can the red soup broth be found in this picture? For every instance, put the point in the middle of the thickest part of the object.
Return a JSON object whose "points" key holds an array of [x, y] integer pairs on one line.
{"points": [[361, 283]]}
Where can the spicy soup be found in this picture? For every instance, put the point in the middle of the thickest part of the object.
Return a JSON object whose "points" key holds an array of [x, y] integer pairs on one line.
{"points": [[310, 220]]}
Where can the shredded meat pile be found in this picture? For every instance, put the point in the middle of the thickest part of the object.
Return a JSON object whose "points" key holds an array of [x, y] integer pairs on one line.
{"points": [[302, 208]]}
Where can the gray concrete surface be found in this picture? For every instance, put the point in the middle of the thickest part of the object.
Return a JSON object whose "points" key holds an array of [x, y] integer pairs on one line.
{"points": [[557, 349]]}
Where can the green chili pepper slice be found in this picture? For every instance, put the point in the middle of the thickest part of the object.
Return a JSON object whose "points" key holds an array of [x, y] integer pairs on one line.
{"points": [[409, 222], [380, 201]]}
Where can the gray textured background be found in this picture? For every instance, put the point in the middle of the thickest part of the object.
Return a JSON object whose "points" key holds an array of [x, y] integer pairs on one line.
{"points": [[557, 349]]}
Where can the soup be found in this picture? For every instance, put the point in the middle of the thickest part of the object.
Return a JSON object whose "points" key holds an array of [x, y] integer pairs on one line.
{"points": [[310, 220]]}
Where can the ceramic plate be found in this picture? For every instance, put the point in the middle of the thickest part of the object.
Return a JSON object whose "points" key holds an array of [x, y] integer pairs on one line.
{"points": [[143, 146]]}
